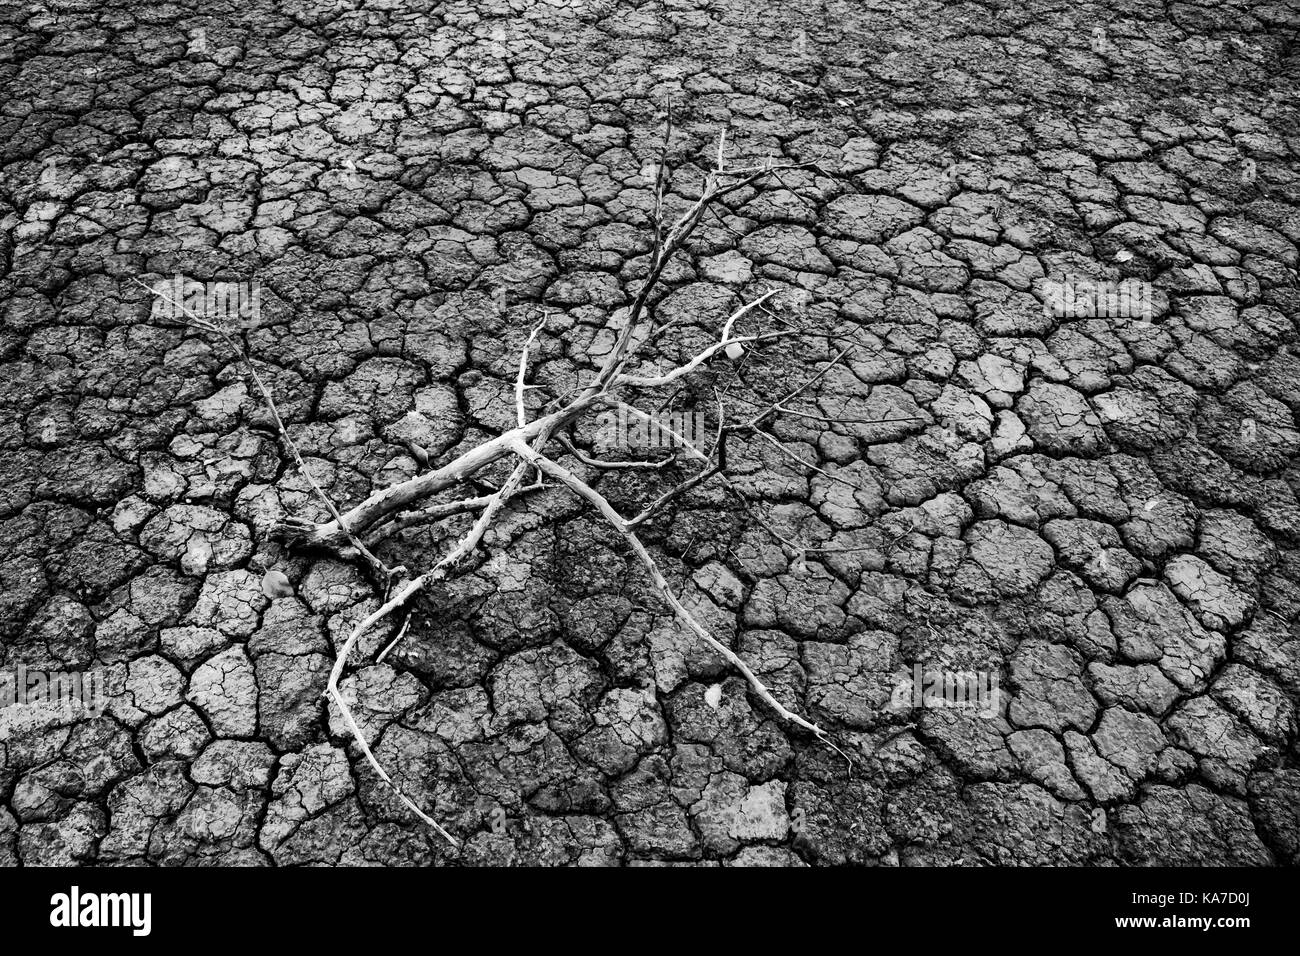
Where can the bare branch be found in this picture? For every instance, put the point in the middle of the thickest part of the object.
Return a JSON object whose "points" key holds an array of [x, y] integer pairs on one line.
{"points": [[583, 490], [332, 689], [384, 511], [594, 393], [664, 430], [421, 486], [680, 232], [439, 571], [437, 512], [655, 381], [384, 572], [753, 422], [807, 464], [661, 185], [523, 370], [586, 459], [719, 449]]}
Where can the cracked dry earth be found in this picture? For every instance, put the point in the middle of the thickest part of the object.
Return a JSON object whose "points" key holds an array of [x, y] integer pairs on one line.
{"points": [[1101, 512]]}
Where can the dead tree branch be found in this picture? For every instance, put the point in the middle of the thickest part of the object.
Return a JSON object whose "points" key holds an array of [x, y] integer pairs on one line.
{"points": [[394, 508]]}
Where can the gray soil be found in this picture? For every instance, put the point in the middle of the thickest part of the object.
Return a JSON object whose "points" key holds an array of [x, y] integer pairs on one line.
{"points": [[1100, 513]]}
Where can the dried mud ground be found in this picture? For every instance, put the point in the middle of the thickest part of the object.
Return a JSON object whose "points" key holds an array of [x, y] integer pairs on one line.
{"points": [[1100, 511]]}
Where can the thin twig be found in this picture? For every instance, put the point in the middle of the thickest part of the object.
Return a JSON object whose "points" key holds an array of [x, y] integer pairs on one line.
{"points": [[780, 446], [523, 370], [586, 459], [753, 422], [409, 590], [583, 490], [406, 622], [719, 449], [655, 381], [218, 330]]}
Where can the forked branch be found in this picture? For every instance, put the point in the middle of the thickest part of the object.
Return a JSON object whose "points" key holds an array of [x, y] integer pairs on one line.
{"points": [[621, 525], [396, 507]]}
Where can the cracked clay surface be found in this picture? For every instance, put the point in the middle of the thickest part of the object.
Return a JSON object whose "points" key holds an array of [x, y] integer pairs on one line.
{"points": [[1100, 512]]}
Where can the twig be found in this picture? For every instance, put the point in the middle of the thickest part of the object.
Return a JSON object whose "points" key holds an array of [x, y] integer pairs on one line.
{"points": [[586, 459], [664, 430], [651, 381], [436, 573], [406, 622], [217, 329], [332, 689], [523, 370], [780, 446], [383, 510], [583, 490], [661, 184], [655, 381], [719, 449], [753, 422]]}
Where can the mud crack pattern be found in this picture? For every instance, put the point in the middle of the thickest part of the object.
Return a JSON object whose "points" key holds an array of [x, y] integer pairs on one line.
{"points": [[1099, 511]]}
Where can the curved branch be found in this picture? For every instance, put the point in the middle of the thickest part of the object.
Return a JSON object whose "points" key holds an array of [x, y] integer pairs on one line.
{"points": [[585, 491], [409, 590]]}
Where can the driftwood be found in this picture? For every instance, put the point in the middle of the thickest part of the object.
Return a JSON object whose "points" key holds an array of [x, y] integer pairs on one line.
{"points": [[359, 528]]}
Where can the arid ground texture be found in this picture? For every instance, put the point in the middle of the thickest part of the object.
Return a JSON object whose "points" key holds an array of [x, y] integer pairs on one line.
{"points": [[1094, 509]]}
